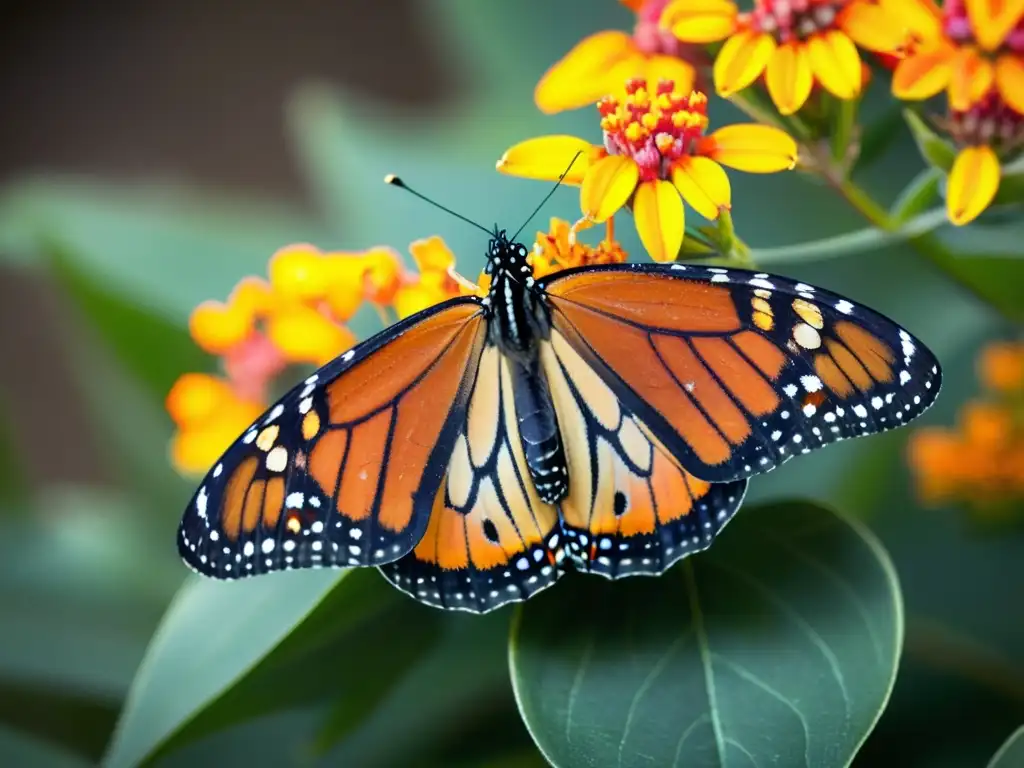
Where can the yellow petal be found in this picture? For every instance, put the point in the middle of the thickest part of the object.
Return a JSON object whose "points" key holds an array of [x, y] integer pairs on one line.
{"points": [[303, 335], [659, 216], [1010, 80], [704, 184], [992, 20], [789, 77], [871, 27], [217, 327], [547, 157], [970, 78], [836, 63], [432, 254], [671, 68], [700, 21], [195, 449], [297, 272], [920, 18], [195, 397], [751, 148], [607, 186], [580, 77], [973, 182], [742, 60], [923, 73]]}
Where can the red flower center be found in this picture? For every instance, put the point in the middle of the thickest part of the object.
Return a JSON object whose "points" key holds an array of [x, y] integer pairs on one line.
{"points": [[655, 129], [789, 20]]}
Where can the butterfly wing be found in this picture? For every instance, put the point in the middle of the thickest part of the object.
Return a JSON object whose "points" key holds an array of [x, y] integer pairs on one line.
{"points": [[734, 372], [344, 469], [631, 509], [491, 540]]}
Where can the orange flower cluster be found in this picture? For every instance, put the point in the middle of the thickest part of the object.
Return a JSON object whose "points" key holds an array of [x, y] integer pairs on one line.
{"points": [[558, 249], [297, 316], [981, 462]]}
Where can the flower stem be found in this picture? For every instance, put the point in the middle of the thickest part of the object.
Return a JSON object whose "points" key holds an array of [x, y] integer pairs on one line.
{"points": [[843, 126], [926, 244]]}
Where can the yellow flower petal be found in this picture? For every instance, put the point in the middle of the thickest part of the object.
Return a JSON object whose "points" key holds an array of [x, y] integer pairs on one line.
{"points": [[973, 182], [970, 78], [297, 272], [923, 73], [195, 449], [607, 186], [700, 21], [671, 68], [659, 217], [789, 77], [742, 60], [992, 20], [195, 397], [751, 148], [871, 27], [836, 63], [303, 335], [704, 184], [581, 76], [919, 18], [218, 327], [432, 254], [1010, 80], [411, 299], [547, 157], [346, 282]]}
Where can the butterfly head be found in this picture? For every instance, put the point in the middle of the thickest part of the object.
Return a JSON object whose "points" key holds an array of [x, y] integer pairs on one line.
{"points": [[507, 260]]}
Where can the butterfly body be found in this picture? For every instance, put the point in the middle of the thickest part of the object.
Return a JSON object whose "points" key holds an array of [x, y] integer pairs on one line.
{"points": [[606, 417]]}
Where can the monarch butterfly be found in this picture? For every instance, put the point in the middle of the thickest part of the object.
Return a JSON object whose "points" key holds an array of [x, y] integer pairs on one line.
{"points": [[604, 418]]}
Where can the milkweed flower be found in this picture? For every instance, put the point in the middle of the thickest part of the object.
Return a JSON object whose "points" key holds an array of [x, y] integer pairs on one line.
{"points": [[981, 461], [965, 48], [654, 150], [602, 62], [793, 43], [297, 316], [558, 249], [987, 134]]}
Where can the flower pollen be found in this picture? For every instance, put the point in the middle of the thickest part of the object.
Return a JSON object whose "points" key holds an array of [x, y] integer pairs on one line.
{"points": [[654, 130]]}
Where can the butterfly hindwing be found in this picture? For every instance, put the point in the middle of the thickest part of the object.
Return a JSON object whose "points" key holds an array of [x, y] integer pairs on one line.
{"points": [[631, 509], [490, 540], [735, 372], [344, 469]]}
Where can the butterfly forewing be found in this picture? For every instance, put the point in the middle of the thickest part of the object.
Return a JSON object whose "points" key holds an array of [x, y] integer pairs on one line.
{"points": [[735, 372], [490, 540], [344, 469], [631, 509]]}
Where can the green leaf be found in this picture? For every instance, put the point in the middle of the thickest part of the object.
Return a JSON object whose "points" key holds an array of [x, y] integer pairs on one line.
{"points": [[79, 723], [165, 246], [279, 643], [1011, 189], [996, 279], [17, 748], [132, 330], [937, 151], [917, 197], [779, 645], [1011, 754]]}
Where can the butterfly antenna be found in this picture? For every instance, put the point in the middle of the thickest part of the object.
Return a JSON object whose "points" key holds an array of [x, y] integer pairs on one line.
{"points": [[548, 195], [397, 182]]}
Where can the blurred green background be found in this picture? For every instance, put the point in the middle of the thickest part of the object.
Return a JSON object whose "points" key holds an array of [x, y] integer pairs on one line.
{"points": [[152, 155]]}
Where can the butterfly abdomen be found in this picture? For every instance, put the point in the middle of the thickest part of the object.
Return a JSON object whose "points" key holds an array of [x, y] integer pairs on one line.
{"points": [[538, 430]]}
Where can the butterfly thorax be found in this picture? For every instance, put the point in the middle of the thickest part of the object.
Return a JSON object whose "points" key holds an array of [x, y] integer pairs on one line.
{"points": [[517, 316], [518, 324]]}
